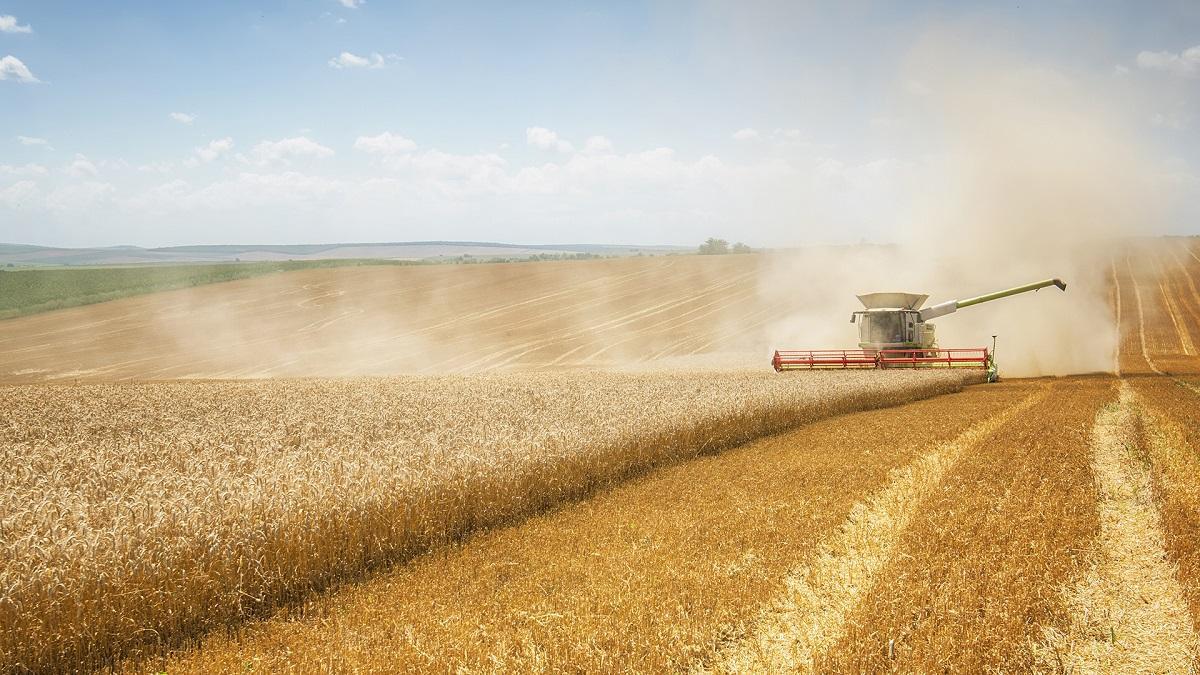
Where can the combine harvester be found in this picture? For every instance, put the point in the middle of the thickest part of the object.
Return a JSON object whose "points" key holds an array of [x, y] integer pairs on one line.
{"points": [[893, 333]]}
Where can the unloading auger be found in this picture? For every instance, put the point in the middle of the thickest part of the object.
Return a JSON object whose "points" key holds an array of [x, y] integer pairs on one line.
{"points": [[894, 332]]}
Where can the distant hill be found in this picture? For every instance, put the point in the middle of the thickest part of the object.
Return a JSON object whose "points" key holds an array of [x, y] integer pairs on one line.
{"points": [[25, 255]]}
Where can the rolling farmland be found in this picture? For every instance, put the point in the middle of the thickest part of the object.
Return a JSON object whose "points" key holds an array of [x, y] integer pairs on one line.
{"points": [[571, 518], [391, 320], [30, 291]]}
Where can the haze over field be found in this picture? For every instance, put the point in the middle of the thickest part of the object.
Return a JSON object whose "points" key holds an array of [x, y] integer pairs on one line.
{"points": [[991, 146], [692, 312], [1040, 179]]}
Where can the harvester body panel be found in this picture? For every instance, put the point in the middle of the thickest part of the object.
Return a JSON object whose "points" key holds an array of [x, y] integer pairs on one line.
{"points": [[893, 300]]}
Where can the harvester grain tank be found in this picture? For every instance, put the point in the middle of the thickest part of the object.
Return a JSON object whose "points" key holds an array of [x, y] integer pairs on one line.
{"points": [[894, 332]]}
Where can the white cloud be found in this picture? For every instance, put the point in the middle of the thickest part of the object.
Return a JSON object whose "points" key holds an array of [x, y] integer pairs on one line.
{"points": [[214, 149], [12, 68], [157, 167], [32, 140], [374, 60], [746, 134], [386, 143], [81, 197], [792, 138], [160, 200], [268, 152], [25, 170], [182, 118], [352, 4], [1185, 63], [595, 145], [19, 194], [8, 24], [80, 167], [541, 137], [653, 195], [286, 191], [450, 175], [348, 60]]}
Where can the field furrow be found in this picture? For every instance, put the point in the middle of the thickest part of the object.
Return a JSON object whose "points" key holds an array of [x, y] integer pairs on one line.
{"points": [[1186, 292], [1132, 355], [810, 616], [976, 577], [1128, 613], [653, 576], [1172, 433]]}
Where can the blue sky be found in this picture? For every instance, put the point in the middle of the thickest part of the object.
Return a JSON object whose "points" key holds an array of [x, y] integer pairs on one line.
{"points": [[337, 120]]}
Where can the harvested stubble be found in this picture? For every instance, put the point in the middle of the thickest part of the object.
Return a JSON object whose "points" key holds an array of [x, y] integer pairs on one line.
{"points": [[1130, 313], [1128, 612], [810, 616], [1182, 293], [647, 577], [139, 515], [1157, 297], [1172, 435], [977, 575]]}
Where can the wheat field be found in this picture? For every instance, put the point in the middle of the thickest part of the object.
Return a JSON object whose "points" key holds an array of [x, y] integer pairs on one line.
{"points": [[146, 513], [562, 517], [648, 577]]}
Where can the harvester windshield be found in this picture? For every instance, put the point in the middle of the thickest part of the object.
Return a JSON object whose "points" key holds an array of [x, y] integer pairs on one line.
{"points": [[883, 327]]}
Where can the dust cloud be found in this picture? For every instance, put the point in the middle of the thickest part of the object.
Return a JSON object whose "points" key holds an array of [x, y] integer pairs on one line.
{"points": [[1035, 177], [1028, 174]]}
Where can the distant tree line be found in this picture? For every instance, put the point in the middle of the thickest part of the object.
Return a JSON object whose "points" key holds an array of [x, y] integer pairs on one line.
{"points": [[714, 246], [468, 259]]}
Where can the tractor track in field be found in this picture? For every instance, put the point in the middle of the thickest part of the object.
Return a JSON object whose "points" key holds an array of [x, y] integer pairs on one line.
{"points": [[1171, 419], [1129, 613], [1146, 350], [1192, 253], [590, 331], [977, 576], [1141, 314], [1190, 282], [1116, 302], [811, 615], [593, 331], [1173, 308]]}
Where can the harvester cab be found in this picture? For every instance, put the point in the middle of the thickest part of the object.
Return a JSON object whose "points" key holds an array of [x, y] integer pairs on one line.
{"points": [[892, 321], [894, 332]]}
